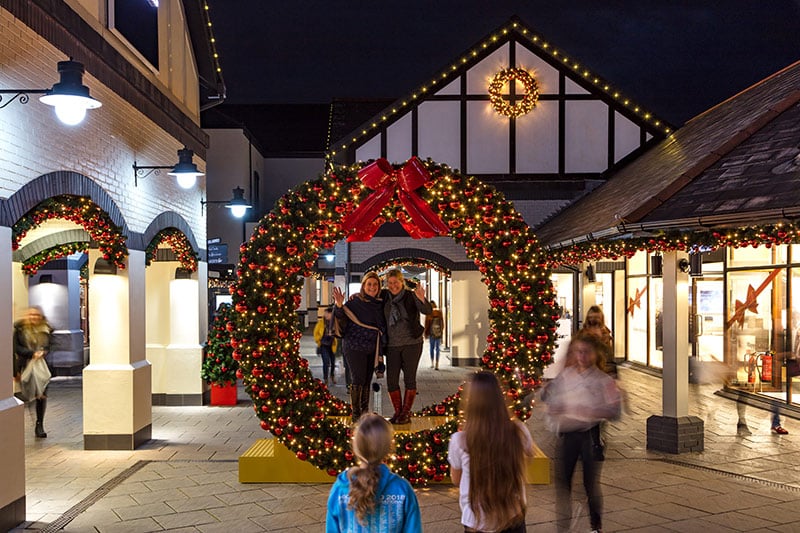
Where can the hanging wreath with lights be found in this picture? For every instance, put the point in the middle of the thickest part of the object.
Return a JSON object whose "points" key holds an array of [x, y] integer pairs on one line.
{"points": [[297, 408], [180, 245], [82, 211], [523, 106]]}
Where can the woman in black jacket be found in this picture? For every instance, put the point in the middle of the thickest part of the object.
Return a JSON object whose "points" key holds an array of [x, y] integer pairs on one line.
{"points": [[362, 326], [402, 311]]}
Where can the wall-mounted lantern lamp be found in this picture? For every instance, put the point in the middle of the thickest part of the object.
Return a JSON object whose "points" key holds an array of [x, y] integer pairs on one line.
{"points": [[238, 205], [70, 97], [657, 265], [591, 277], [104, 266], [185, 171]]}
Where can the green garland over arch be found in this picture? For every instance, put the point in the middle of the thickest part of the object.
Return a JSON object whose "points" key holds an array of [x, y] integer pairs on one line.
{"points": [[175, 239], [297, 408], [82, 211], [32, 265], [412, 262]]}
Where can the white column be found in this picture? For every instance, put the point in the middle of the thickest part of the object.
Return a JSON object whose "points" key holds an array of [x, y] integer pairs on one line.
{"points": [[157, 320], [184, 356], [12, 423], [117, 405], [470, 318], [675, 381]]}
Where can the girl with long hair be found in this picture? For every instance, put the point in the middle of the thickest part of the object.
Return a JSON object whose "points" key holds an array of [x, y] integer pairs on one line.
{"points": [[488, 460], [368, 497]]}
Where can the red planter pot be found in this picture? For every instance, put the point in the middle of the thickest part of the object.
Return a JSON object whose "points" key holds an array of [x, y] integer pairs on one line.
{"points": [[223, 395]]}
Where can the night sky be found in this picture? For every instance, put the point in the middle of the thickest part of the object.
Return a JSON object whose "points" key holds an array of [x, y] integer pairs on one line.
{"points": [[676, 58]]}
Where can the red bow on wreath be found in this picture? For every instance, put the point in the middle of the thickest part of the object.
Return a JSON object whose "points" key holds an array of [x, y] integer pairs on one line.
{"points": [[380, 176]]}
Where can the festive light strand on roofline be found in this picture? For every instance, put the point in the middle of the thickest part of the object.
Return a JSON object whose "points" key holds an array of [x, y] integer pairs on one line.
{"points": [[767, 235], [445, 77]]}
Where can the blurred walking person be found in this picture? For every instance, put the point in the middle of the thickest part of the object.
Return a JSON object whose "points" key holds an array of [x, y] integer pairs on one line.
{"points": [[579, 398], [32, 337]]}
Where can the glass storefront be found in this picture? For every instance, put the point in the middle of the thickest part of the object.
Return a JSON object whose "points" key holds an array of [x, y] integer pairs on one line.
{"points": [[744, 311]]}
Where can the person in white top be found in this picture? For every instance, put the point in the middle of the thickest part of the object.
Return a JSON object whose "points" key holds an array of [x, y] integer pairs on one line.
{"points": [[488, 460], [579, 398]]}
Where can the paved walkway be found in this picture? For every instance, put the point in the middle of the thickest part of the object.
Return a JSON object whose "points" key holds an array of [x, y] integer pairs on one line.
{"points": [[186, 477]]}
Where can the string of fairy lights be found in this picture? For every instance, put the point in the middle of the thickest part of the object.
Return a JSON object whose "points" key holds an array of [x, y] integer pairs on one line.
{"points": [[82, 211], [178, 242], [508, 33], [297, 408]]}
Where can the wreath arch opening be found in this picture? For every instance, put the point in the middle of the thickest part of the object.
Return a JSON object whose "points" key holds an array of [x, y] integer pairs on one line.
{"points": [[297, 408]]}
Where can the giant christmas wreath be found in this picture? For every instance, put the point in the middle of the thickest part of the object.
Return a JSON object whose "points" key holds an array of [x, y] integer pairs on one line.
{"points": [[297, 408]]}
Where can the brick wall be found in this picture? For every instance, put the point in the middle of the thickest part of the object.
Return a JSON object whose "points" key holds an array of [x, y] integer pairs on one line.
{"points": [[102, 148]]}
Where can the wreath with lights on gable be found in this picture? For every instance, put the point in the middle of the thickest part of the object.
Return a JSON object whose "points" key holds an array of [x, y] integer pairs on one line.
{"points": [[352, 202]]}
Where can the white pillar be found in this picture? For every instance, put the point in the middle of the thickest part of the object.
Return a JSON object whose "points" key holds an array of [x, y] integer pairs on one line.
{"points": [[12, 423], [184, 355], [470, 318], [676, 332], [158, 324], [117, 405]]}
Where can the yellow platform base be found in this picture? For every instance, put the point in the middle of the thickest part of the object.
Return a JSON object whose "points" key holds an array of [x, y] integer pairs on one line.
{"points": [[269, 461]]}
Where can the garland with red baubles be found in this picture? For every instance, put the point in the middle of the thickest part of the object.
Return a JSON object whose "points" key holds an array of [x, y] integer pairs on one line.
{"points": [[428, 199], [175, 239], [83, 212]]}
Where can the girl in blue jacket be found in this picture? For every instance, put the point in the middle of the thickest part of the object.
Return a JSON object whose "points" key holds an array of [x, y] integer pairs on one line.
{"points": [[368, 497]]}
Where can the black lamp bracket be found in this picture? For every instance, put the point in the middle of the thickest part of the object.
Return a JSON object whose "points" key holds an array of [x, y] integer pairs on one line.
{"points": [[145, 170], [20, 94], [204, 202]]}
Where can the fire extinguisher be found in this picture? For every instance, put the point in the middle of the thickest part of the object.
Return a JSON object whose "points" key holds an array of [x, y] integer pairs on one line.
{"points": [[766, 367], [751, 369]]}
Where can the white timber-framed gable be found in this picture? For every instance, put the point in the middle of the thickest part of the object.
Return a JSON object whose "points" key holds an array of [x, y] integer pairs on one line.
{"points": [[580, 128]]}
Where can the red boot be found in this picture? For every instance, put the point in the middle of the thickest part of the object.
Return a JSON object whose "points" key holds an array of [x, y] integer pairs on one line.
{"points": [[397, 402], [408, 402]]}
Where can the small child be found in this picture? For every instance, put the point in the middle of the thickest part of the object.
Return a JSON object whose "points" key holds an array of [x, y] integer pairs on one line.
{"points": [[369, 497]]}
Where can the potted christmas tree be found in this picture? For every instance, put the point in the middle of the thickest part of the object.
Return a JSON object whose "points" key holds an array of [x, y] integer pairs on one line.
{"points": [[219, 366]]}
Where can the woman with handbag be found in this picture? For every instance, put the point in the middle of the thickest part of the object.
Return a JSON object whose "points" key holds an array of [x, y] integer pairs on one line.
{"points": [[32, 336]]}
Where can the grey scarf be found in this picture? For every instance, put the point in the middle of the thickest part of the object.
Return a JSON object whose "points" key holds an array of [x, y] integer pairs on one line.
{"points": [[398, 312]]}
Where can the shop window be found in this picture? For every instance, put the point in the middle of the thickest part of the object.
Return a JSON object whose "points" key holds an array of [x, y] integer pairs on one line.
{"points": [[637, 264], [748, 256], [655, 314], [137, 22], [756, 302], [637, 311], [563, 287]]}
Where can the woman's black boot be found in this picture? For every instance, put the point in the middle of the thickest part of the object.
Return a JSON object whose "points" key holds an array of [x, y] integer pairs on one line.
{"points": [[41, 406]]}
